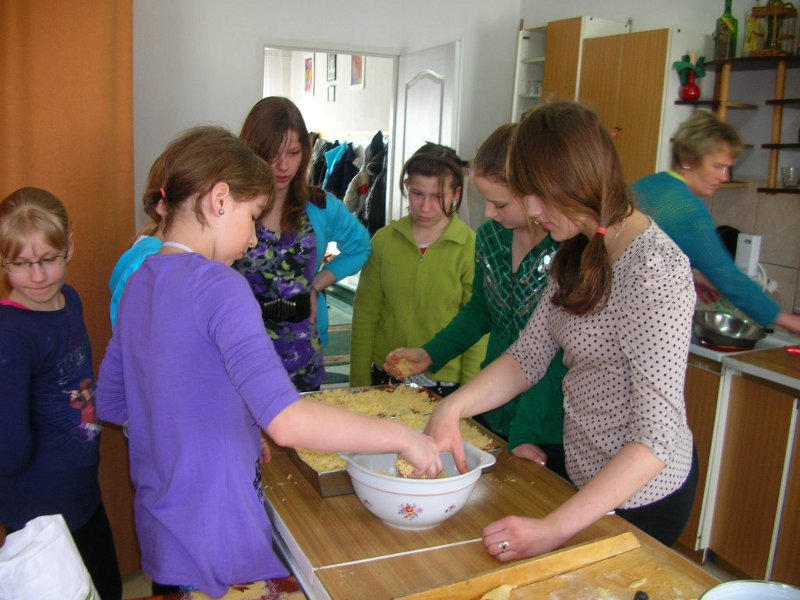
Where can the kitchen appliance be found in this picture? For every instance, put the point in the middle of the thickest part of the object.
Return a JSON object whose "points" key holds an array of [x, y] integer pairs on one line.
{"points": [[748, 248], [726, 331]]}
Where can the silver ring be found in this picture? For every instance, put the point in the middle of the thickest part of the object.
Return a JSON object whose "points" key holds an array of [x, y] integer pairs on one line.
{"points": [[503, 545]]}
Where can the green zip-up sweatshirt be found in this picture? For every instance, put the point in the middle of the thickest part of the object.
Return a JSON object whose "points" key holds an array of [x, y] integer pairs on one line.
{"points": [[404, 297]]}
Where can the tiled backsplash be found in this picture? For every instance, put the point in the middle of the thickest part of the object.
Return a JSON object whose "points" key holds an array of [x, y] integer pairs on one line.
{"points": [[775, 217]]}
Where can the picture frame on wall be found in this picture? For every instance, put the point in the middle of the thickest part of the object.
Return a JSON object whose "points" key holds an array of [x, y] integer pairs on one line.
{"points": [[331, 67], [331, 93], [358, 63], [309, 74]]}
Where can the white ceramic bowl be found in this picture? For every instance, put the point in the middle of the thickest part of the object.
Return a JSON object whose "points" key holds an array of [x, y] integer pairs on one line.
{"points": [[414, 503], [751, 590]]}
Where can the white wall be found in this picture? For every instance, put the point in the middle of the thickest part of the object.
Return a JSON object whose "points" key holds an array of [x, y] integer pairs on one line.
{"points": [[201, 61]]}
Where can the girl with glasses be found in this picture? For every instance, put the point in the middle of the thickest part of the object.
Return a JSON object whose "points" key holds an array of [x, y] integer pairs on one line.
{"points": [[49, 433]]}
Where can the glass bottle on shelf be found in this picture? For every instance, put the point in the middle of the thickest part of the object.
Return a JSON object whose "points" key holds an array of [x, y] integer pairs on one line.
{"points": [[726, 34]]}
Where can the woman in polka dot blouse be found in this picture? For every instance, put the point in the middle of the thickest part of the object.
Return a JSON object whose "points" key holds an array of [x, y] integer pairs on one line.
{"points": [[620, 304]]}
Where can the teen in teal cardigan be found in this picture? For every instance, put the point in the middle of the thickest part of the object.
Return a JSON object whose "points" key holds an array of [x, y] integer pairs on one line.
{"points": [[419, 275]]}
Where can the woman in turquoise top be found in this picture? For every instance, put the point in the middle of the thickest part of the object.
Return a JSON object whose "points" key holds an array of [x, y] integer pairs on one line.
{"points": [[704, 149], [285, 268], [513, 257]]}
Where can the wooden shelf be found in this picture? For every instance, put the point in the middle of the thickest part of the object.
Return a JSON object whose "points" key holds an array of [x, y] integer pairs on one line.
{"points": [[715, 104], [751, 63], [788, 102], [777, 190]]}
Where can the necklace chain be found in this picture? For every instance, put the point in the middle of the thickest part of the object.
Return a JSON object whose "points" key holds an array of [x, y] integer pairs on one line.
{"points": [[624, 222]]}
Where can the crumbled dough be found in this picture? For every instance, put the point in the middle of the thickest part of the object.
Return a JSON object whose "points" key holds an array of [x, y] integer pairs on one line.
{"points": [[405, 367], [502, 592]]}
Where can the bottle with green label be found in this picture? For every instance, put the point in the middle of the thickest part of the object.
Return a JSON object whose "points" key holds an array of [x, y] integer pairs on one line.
{"points": [[726, 34]]}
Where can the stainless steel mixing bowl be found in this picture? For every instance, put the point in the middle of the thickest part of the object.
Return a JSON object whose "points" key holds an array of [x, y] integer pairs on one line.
{"points": [[725, 330]]}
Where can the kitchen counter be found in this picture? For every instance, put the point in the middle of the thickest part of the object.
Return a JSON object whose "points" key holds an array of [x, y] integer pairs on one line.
{"points": [[775, 365], [338, 550]]}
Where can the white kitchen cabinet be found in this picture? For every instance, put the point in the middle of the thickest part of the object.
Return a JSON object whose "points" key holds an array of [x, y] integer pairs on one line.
{"points": [[549, 59]]}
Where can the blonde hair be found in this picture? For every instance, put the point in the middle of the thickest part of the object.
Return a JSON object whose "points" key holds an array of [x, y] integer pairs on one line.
{"points": [[24, 213], [700, 135]]}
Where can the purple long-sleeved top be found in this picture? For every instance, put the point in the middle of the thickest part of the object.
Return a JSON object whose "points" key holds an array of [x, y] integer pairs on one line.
{"points": [[192, 371]]}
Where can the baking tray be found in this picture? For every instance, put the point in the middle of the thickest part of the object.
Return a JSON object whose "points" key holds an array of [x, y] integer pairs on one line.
{"points": [[337, 483]]}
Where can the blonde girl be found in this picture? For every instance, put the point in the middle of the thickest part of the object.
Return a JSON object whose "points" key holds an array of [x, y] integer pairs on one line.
{"points": [[49, 432]]}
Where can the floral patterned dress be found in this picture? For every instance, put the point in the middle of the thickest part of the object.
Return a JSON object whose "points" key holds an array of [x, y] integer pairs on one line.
{"points": [[282, 265]]}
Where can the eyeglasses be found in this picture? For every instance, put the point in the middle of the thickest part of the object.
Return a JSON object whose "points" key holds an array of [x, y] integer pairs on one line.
{"points": [[48, 263]]}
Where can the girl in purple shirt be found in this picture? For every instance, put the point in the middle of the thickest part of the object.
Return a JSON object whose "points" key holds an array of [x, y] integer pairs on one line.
{"points": [[192, 371]]}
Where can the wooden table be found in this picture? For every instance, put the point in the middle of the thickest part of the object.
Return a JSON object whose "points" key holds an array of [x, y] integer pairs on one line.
{"points": [[338, 550]]}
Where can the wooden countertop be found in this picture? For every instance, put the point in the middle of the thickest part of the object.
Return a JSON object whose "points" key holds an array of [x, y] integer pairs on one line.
{"points": [[774, 364], [340, 550]]}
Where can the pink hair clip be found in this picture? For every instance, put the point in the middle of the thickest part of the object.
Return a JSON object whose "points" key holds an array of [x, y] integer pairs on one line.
{"points": [[601, 230], [163, 193]]}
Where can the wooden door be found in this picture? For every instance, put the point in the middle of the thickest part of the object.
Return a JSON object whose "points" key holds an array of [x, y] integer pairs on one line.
{"points": [[66, 120], [749, 485], [701, 393], [640, 100], [563, 58], [786, 567], [600, 76]]}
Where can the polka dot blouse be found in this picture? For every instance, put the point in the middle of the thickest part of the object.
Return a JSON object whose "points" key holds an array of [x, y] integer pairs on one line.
{"points": [[627, 364]]}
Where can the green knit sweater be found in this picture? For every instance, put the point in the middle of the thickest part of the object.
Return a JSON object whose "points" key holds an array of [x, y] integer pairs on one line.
{"points": [[501, 303], [405, 296]]}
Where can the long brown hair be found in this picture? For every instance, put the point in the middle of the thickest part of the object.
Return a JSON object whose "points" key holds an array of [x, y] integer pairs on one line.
{"points": [[563, 154], [198, 159], [264, 131]]}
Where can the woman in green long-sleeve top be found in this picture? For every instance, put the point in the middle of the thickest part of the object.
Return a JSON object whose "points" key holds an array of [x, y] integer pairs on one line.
{"points": [[513, 256]]}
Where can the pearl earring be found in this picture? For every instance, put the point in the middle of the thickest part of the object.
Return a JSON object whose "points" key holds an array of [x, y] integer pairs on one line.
{"points": [[221, 210], [536, 221]]}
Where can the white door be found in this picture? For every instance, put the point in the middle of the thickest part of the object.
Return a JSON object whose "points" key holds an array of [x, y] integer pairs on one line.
{"points": [[428, 92]]}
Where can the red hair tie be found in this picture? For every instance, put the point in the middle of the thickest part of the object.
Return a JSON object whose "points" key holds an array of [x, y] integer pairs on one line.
{"points": [[601, 230], [163, 193]]}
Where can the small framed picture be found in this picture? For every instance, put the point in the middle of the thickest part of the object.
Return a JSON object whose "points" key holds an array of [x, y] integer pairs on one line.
{"points": [[331, 67], [357, 64], [331, 93], [309, 74]]}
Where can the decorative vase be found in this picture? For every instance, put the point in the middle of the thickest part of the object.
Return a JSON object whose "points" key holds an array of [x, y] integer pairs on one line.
{"points": [[689, 91]]}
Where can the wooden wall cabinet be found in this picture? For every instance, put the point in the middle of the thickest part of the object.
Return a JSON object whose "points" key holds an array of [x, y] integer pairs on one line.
{"points": [[629, 80], [703, 378], [549, 59]]}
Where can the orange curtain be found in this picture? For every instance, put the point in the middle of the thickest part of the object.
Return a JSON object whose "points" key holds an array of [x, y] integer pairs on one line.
{"points": [[66, 125]]}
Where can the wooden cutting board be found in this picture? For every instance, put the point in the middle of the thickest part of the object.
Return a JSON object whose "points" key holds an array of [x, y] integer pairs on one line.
{"points": [[613, 568]]}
